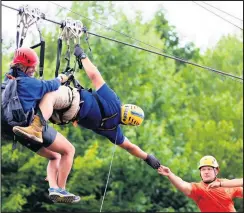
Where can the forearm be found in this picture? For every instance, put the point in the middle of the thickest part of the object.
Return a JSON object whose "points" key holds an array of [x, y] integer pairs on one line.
{"points": [[232, 183], [90, 69], [135, 150], [180, 184], [50, 85]]}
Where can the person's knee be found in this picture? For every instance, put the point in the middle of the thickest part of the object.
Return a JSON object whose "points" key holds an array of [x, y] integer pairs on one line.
{"points": [[69, 150], [62, 146], [55, 156], [72, 150], [49, 154]]}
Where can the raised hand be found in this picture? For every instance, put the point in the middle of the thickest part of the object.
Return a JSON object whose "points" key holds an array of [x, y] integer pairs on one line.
{"points": [[63, 78], [214, 185], [79, 52], [163, 170]]}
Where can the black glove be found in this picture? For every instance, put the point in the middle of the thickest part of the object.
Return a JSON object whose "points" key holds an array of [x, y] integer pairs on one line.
{"points": [[152, 161], [79, 52]]}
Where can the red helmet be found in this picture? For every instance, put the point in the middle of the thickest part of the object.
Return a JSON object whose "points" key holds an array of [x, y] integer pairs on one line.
{"points": [[25, 56]]}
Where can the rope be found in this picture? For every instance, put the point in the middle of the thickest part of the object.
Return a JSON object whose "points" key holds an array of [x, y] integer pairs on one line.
{"points": [[222, 11], [217, 15], [109, 28], [165, 55], [172, 57], [162, 54], [109, 170]]}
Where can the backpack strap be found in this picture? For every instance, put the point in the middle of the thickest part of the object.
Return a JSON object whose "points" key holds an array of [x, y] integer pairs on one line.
{"points": [[14, 144]]}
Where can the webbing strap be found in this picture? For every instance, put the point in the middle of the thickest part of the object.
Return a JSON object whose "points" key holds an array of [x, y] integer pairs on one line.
{"points": [[17, 40], [59, 51], [42, 56]]}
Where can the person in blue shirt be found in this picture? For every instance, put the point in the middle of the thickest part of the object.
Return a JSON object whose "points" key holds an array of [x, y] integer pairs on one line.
{"points": [[30, 91], [100, 110]]}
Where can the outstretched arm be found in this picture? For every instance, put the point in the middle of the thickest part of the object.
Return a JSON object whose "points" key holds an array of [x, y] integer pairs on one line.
{"points": [[133, 149], [90, 69], [180, 184], [136, 151], [228, 183]]}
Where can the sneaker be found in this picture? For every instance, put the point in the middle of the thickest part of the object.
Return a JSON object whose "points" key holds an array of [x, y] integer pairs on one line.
{"points": [[76, 199], [59, 195]]}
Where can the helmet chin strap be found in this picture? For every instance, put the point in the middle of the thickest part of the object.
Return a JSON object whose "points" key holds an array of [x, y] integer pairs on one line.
{"points": [[26, 70], [210, 180]]}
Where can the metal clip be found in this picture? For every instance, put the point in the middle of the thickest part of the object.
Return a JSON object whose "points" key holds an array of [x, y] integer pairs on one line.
{"points": [[28, 16]]}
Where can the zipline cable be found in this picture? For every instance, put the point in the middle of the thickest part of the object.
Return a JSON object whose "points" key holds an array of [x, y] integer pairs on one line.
{"points": [[109, 28], [172, 57], [222, 11], [161, 54], [217, 15], [175, 58]]}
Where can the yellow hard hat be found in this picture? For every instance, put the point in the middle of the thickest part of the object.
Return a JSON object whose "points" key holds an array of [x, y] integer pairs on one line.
{"points": [[131, 115], [208, 160]]}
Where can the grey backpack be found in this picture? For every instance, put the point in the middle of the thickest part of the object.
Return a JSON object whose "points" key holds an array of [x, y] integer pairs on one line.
{"points": [[11, 108]]}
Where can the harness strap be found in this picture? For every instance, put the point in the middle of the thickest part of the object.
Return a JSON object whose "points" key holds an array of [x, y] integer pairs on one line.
{"points": [[42, 55], [104, 118], [107, 129], [58, 56], [62, 111], [14, 144]]}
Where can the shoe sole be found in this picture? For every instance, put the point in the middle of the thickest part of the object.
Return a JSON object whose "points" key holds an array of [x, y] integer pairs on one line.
{"points": [[58, 199], [76, 201], [27, 136]]}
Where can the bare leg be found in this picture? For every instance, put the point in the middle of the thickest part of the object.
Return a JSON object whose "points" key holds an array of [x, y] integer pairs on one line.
{"points": [[67, 151], [46, 104], [52, 167], [59, 99]]}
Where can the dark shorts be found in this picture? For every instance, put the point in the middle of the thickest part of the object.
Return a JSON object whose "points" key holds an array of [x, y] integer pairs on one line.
{"points": [[48, 134]]}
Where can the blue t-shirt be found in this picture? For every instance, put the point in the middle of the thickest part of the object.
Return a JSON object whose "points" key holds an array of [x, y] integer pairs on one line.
{"points": [[31, 90], [90, 116]]}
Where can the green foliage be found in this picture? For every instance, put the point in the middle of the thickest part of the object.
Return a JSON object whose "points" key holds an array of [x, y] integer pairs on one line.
{"points": [[189, 113]]}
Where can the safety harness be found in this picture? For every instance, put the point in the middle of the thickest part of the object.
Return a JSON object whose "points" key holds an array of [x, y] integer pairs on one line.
{"points": [[73, 29], [104, 118], [26, 17], [69, 29]]}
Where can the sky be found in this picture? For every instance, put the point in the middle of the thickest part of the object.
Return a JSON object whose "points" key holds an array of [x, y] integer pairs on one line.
{"points": [[193, 23]]}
